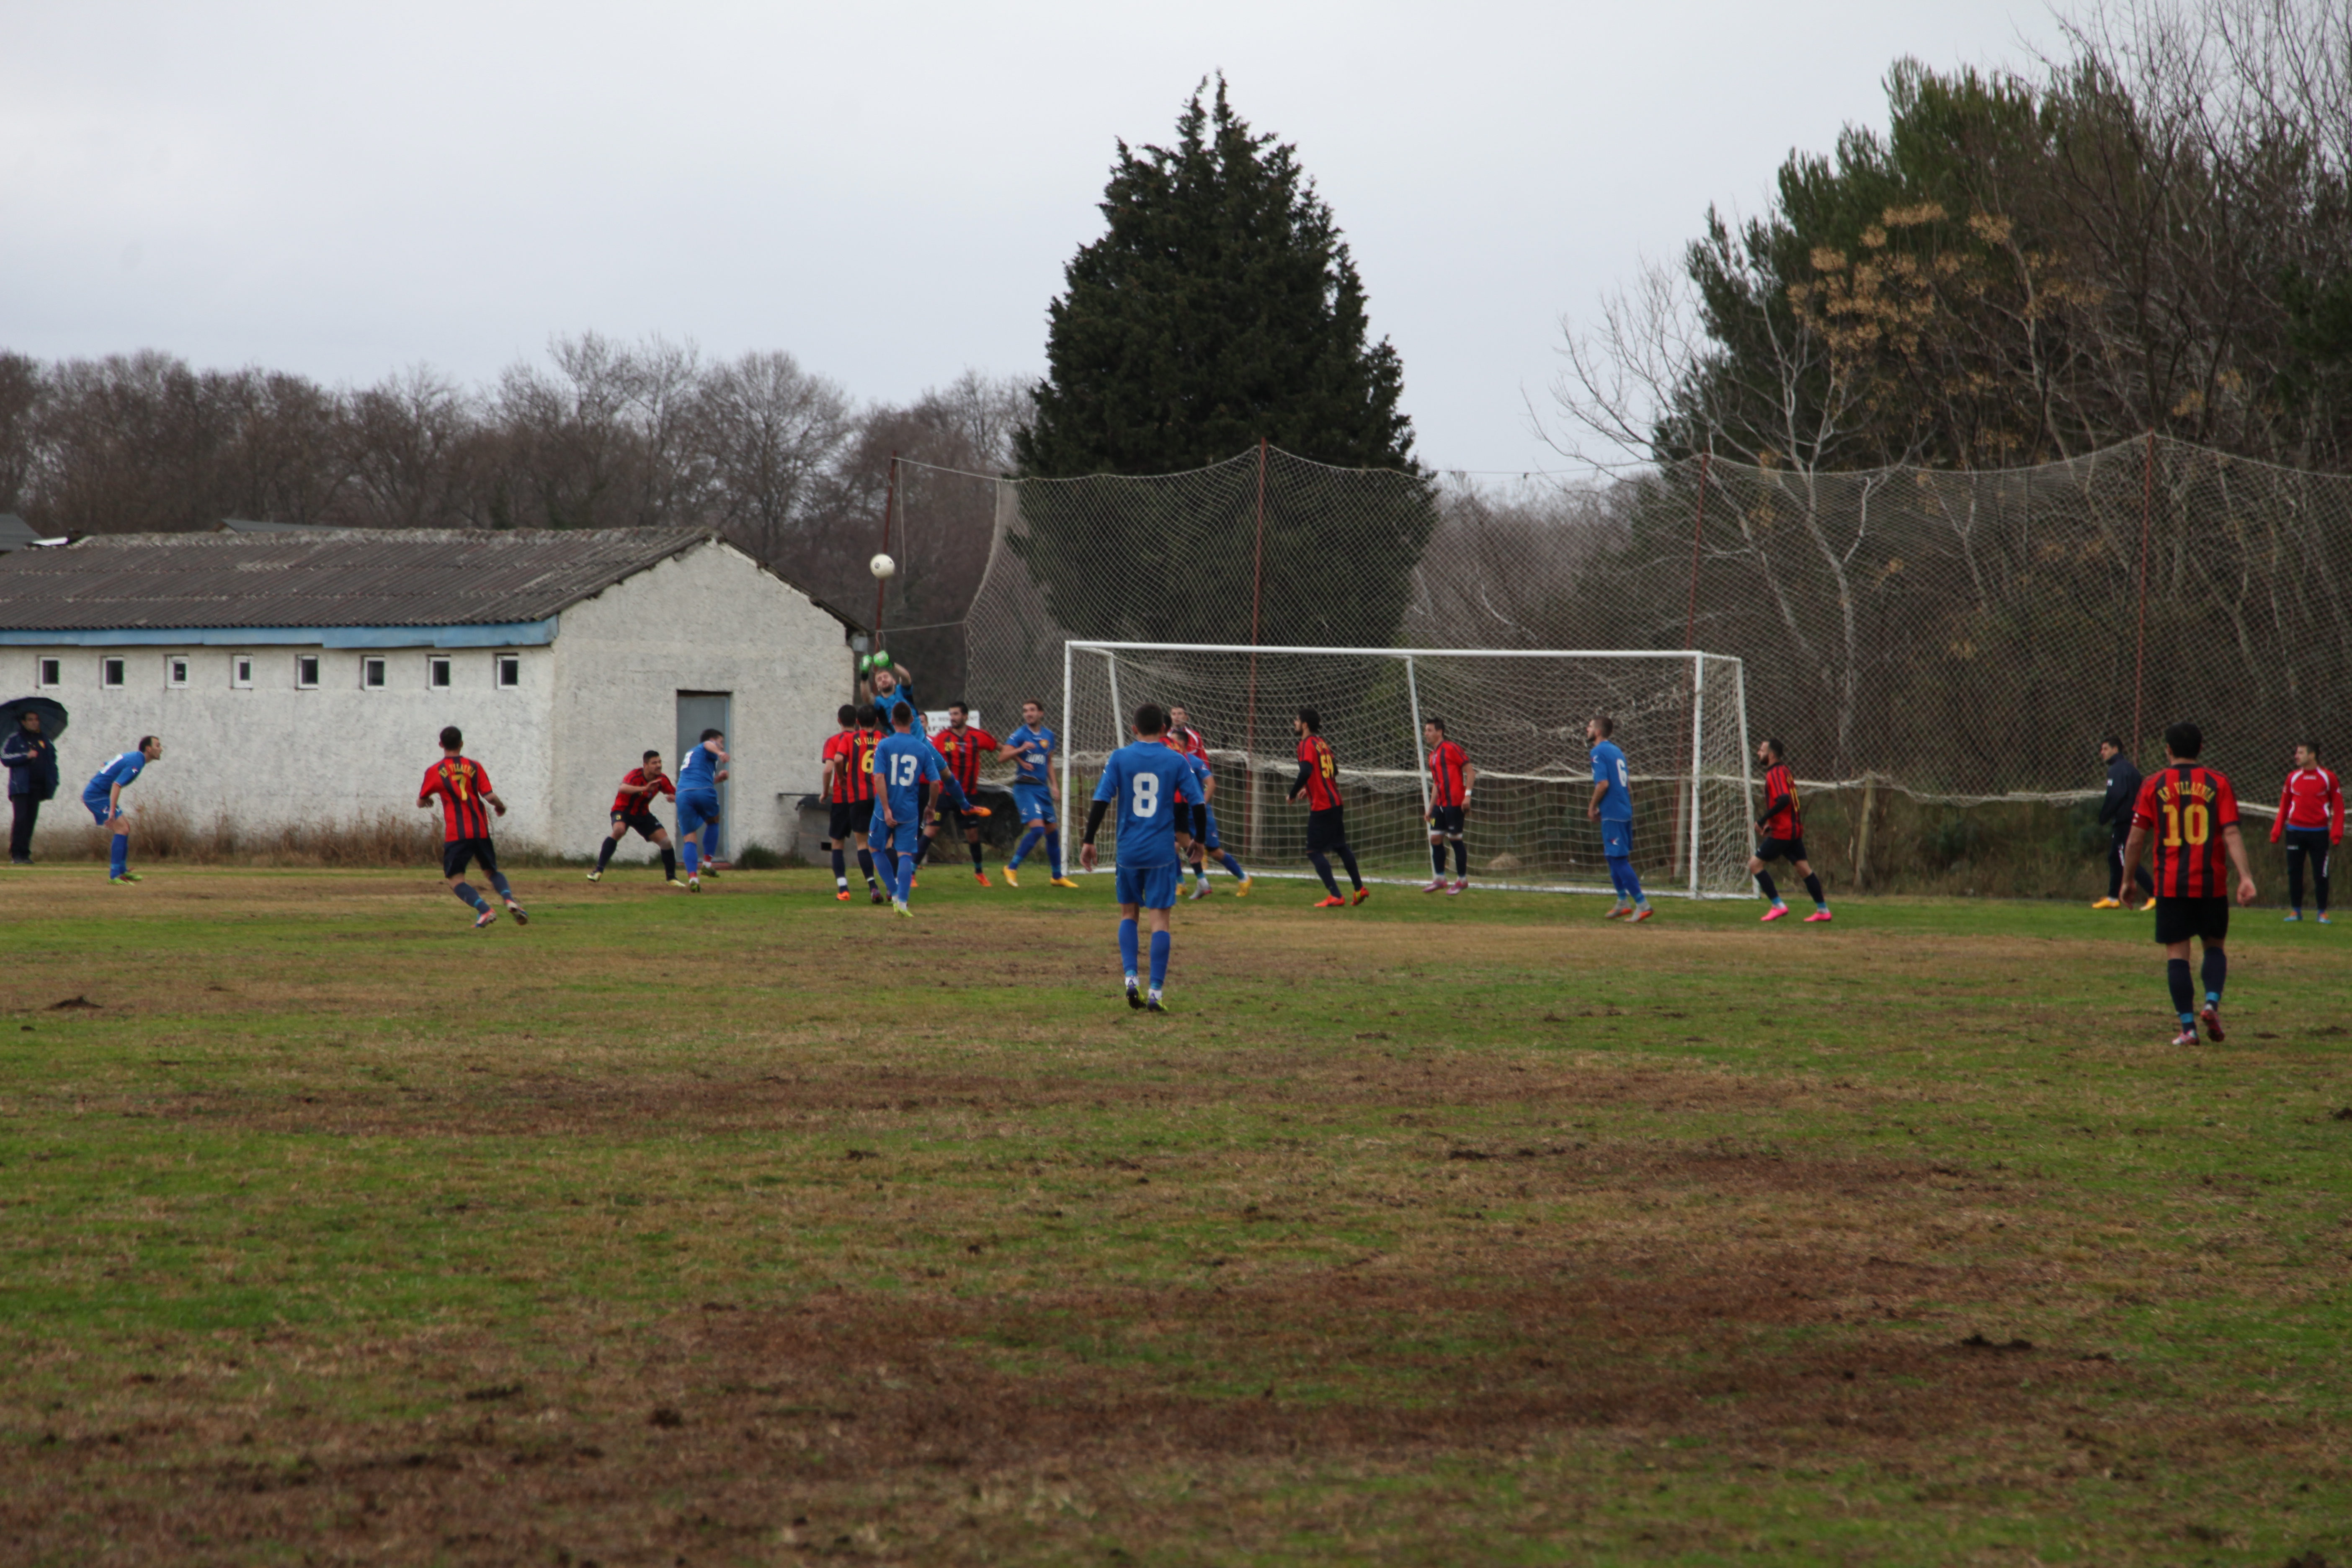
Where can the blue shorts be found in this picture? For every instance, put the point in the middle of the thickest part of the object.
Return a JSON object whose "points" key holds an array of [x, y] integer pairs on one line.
{"points": [[1034, 802], [98, 809], [694, 810], [903, 839], [1617, 839], [1153, 887]]}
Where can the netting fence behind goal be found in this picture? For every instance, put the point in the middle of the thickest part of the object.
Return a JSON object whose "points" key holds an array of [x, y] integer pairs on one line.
{"points": [[1520, 716]]}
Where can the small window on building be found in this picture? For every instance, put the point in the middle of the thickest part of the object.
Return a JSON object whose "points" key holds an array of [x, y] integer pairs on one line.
{"points": [[437, 674], [510, 668], [175, 671], [49, 672], [240, 671], [306, 671], [112, 671], [371, 675]]}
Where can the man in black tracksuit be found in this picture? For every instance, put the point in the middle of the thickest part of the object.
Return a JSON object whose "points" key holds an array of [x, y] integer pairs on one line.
{"points": [[2115, 811], [31, 759]]}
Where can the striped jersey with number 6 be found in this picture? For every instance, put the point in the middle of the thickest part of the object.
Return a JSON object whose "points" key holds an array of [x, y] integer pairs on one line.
{"points": [[2184, 808]]}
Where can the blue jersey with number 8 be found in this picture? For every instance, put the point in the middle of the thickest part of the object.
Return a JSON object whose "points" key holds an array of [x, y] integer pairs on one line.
{"points": [[1147, 781]]}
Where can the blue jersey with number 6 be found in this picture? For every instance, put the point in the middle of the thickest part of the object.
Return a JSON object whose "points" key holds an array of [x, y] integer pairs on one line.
{"points": [[1609, 770], [1146, 780], [900, 761]]}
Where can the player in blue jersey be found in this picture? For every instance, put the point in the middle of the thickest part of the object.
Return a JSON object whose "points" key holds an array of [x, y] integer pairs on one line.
{"points": [[699, 778], [1036, 792], [1613, 807], [103, 797], [903, 764], [1206, 840], [1152, 781]]}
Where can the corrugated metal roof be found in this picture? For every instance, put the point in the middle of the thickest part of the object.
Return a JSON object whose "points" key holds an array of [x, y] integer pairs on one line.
{"points": [[346, 577]]}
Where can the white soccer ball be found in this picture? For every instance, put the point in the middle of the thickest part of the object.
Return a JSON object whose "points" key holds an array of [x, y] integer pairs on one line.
{"points": [[883, 566]]}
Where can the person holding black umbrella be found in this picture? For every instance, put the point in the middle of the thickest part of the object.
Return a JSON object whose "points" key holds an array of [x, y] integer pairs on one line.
{"points": [[31, 759]]}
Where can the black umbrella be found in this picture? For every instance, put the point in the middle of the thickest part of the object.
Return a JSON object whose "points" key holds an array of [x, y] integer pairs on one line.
{"points": [[52, 712]]}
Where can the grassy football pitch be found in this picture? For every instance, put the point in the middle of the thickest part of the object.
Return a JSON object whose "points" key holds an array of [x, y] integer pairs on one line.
{"points": [[756, 1228]]}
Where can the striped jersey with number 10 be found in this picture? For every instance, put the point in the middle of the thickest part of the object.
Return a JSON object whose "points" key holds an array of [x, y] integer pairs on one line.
{"points": [[2184, 808]]}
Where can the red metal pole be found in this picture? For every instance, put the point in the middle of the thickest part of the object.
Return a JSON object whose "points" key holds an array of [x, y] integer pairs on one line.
{"points": [[1249, 727], [889, 494], [2139, 639]]}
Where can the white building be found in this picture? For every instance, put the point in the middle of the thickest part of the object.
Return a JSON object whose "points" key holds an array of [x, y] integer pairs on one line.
{"points": [[305, 678]]}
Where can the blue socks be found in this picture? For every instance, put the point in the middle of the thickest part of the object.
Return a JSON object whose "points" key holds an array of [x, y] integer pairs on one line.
{"points": [[693, 857], [1160, 940], [1053, 850], [1126, 946], [1628, 885], [499, 880], [1028, 842], [1233, 865], [906, 884], [117, 857]]}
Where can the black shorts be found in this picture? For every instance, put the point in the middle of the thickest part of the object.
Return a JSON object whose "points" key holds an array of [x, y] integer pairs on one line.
{"points": [[955, 821], [1446, 819], [848, 817], [1789, 850], [457, 851], [645, 822], [1327, 829], [2178, 920]]}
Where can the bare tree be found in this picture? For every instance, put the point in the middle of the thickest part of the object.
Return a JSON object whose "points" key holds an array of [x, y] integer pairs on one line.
{"points": [[767, 431]]}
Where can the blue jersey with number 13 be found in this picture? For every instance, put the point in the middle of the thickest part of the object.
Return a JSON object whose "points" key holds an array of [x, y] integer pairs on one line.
{"points": [[1146, 780], [899, 763]]}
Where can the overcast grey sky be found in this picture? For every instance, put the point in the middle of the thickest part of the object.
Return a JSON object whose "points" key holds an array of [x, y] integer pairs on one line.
{"points": [[889, 193]]}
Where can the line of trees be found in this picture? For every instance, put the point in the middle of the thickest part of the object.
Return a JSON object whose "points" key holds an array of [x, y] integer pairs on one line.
{"points": [[600, 433]]}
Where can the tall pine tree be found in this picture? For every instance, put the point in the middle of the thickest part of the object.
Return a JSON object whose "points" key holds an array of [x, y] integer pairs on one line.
{"points": [[1220, 307]]}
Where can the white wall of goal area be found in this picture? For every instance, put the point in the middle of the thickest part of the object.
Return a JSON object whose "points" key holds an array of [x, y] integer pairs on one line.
{"points": [[1681, 716]]}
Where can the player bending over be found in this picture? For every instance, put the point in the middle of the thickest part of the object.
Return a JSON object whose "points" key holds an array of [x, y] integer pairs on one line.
{"points": [[960, 747], [848, 786], [632, 807], [103, 796], [1452, 776], [699, 778], [1207, 840], [2189, 815], [1151, 781], [1036, 793], [902, 764], [1613, 807], [1783, 836], [1327, 813], [464, 789], [2311, 820]]}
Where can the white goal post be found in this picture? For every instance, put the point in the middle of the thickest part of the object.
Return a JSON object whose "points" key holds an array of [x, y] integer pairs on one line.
{"points": [[1681, 716]]}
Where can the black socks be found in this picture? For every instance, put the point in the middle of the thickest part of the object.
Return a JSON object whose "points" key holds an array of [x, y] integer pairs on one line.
{"points": [[1348, 859], [975, 855], [1323, 869], [1764, 880], [1461, 861], [2217, 971], [605, 856], [1437, 856], [2176, 975], [866, 865], [1813, 887]]}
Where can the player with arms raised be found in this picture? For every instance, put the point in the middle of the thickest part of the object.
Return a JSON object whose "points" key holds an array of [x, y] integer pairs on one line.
{"points": [[2311, 820], [632, 807], [903, 764], [463, 789], [1150, 781], [1783, 836], [1036, 792], [2188, 816], [1327, 816], [1452, 776]]}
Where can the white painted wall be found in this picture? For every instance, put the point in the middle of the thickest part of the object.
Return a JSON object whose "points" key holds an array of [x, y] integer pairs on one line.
{"points": [[712, 620]]}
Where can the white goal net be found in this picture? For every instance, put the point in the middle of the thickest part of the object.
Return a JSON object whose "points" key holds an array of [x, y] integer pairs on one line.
{"points": [[1680, 717]]}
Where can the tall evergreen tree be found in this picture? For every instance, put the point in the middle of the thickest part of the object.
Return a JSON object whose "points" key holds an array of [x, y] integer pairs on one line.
{"points": [[1220, 307]]}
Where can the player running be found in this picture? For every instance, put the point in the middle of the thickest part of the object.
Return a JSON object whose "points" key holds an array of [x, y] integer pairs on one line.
{"points": [[1452, 775], [2188, 816], [848, 786], [1783, 837], [1151, 781], [961, 747], [2311, 820], [1327, 813], [699, 778], [1613, 807], [1207, 840], [1036, 792], [103, 797], [464, 789], [632, 807], [902, 764]]}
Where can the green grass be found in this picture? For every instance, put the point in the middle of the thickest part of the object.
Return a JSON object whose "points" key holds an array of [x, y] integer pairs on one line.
{"points": [[752, 1227]]}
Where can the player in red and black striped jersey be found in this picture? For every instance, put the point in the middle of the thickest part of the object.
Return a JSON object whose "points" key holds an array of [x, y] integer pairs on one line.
{"points": [[961, 747], [849, 786], [2189, 815], [1781, 836], [1452, 775], [632, 807], [1327, 814], [462, 788], [2311, 820]]}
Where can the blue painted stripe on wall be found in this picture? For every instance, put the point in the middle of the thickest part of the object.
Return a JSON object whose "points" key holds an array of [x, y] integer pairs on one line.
{"points": [[505, 634]]}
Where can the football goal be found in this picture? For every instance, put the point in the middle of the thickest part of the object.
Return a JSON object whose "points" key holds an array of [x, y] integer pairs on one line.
{"points": [[1681, 719]]}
